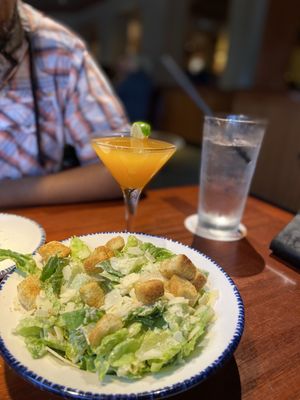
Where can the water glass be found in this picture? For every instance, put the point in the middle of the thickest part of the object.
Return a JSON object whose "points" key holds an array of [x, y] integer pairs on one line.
{"points": [[230, 148]]}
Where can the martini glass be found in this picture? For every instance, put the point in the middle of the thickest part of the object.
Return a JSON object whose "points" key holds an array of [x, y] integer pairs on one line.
{"points": [[132, 162]]}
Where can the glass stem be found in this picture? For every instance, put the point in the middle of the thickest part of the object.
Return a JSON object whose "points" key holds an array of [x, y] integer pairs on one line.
{"points": [[131, 199]]}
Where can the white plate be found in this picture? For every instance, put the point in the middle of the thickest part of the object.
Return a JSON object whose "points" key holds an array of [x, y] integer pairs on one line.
{"points": [[51, 374], [191, 224], [19, 234]]}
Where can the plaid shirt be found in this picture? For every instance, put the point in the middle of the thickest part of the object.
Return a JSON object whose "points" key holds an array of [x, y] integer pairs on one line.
{"points": [[75, 101]]}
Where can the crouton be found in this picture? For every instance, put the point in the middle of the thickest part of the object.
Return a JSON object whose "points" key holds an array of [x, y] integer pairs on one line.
{"points": [[199, 281], [28, 291], [92, 294], [179, 265], [182, 288], [149, 291], [108, 324], [100, 253], [53, 248], [116, 243]]}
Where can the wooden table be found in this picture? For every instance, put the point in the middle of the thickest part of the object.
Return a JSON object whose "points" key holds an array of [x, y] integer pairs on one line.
{"points": [[266, 364]]}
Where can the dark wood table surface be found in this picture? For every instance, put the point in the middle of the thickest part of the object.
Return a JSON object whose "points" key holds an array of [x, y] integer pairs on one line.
{"points": [[266, 364]]}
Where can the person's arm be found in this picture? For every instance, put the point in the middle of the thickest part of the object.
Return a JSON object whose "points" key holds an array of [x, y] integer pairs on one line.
{"points": [[88, 183]]}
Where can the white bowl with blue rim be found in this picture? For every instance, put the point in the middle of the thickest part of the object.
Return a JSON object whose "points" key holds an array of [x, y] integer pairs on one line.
{"points": [[49, 373]]}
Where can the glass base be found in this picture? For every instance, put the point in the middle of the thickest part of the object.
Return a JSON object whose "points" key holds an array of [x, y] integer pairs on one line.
{"points": [[191, 224]]}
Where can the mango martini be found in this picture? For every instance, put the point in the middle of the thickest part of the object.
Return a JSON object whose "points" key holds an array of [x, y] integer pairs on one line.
{"points": [[132, 161]]}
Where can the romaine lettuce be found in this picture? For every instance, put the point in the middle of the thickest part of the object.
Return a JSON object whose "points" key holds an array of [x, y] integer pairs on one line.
{"points": [[76, 346], [35, 346], [149, 316], [79, 249], [72, 320], [158, 253], [24, 262]]}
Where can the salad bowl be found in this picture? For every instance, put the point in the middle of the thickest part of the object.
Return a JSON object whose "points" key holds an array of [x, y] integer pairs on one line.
{"points": [[57, 376]]}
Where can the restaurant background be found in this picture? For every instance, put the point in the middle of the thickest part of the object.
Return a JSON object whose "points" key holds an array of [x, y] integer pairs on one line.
{"points": [[243, 56]]}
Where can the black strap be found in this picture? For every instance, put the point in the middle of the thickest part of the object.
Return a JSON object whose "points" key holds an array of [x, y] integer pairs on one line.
{"points": [[34, 89], [70, 158], [9, 58]]}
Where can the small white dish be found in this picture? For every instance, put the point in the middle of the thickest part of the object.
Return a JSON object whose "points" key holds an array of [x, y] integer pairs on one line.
{"points": [[49, 373], [19, 234], [191, 224]]}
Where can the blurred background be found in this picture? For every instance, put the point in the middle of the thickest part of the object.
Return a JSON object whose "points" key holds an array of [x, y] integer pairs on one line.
{"points": [[243, 56]]}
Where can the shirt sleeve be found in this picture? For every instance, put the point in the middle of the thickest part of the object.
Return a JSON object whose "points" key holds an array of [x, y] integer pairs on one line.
{"points": [[91, 109]]}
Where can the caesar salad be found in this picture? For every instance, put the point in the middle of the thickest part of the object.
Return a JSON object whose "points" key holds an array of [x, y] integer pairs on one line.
{"points": [[125, 308]]}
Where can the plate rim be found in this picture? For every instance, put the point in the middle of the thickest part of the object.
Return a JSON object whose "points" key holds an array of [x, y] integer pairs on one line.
{"points": [[42, 238], [166, 391]]}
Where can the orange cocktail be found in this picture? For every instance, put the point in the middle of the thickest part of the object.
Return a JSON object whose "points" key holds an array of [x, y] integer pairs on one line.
{"points": [[132, 162]]}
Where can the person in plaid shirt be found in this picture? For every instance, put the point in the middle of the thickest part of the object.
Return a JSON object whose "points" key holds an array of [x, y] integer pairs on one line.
{"points": [[53, 100]]}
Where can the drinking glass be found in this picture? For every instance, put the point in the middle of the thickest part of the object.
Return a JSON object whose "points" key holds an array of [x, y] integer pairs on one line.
{"points": [[230, 148], [132, 162]]}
